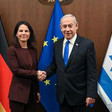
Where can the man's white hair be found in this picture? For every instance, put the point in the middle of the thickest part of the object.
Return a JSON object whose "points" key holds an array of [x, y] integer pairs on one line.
{"points": [[69, 15]]}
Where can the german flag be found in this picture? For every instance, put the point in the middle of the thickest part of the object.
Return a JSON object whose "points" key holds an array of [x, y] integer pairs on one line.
{"points": [[5, 73]]}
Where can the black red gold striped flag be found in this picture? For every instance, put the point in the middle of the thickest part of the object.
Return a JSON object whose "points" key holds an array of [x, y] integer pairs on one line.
{"points": [[5, 73]]}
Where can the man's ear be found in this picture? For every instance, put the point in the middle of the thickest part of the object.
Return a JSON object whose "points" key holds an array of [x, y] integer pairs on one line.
{"points": [[60, 27], [77, 26]]}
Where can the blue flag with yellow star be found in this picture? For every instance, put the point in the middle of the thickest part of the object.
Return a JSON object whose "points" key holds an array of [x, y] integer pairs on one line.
{"points": [[48, 87]]}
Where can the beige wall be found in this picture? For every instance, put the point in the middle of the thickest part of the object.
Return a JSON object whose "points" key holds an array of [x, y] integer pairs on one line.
{"points": [[94, 17]]}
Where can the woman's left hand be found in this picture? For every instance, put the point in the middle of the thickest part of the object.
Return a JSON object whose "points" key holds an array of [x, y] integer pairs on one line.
{"points": [[38, 94]]}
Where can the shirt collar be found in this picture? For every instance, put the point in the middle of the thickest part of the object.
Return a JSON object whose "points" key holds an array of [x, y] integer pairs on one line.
{"points": [[72, 40]]}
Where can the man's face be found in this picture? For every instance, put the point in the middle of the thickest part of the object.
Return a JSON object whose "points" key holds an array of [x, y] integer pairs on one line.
{"points": [[68, 27]]}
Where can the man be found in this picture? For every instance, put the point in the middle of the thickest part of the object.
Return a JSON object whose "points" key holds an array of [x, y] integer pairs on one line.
{"points": [[76, 70]]}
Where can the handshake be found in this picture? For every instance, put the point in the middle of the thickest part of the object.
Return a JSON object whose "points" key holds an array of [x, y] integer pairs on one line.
{"points": [[41, 75]]}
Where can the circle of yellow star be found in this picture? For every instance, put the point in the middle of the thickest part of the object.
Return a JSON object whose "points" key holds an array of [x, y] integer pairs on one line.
{"points": [[45, 43], [55, 39], [47, 82]]}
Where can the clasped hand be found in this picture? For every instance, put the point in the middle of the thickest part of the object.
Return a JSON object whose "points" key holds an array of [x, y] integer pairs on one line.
{"points": [[41, 75]]}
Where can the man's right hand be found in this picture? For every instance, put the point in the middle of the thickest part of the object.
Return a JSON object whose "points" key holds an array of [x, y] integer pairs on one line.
{"points": [[41, 75]]}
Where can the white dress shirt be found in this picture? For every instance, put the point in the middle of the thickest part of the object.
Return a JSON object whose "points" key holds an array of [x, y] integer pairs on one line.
{"points": [[71, 44]]}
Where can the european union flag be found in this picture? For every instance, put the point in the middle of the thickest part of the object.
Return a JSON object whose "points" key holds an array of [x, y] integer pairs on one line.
{"points": [[105, 79], [48, 87]]}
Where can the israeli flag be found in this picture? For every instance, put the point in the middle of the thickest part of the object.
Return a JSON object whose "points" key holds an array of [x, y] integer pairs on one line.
{"points": [[105, 79]]}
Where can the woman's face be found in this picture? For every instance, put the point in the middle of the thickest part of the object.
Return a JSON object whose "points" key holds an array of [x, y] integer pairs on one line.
{"points": [[23, 33]]}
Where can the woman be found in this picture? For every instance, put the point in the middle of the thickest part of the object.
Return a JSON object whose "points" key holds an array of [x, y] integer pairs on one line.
{"points": [[22, 58]]}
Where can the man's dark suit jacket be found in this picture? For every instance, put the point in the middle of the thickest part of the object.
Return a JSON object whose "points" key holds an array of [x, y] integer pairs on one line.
{"points": [[78, 80], [24, 75]]}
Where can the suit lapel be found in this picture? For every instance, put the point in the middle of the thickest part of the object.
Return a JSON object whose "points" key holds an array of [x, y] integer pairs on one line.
{"points": [[32, 56], [60, 52], [74, 50]]}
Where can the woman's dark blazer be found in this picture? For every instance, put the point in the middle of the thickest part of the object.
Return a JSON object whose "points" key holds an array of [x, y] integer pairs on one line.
{"points": [[24, 75]]}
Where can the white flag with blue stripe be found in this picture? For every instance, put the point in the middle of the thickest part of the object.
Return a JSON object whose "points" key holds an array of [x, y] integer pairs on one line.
{"points": [[105, 79]]}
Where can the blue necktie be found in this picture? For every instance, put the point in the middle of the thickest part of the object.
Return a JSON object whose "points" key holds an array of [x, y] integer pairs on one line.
{"points": [[66, 52]]}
